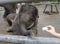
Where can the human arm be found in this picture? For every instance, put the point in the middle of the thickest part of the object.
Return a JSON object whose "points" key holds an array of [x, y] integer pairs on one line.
{"points": [[51, 30]]}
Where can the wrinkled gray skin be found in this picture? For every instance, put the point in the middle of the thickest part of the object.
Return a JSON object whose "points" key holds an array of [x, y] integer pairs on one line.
{"points": [[9, 8], [11, 17], [27, 15]]}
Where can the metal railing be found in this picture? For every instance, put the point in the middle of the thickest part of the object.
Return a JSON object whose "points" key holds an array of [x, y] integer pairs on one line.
{"points": [[20, 1], [29, 40]]}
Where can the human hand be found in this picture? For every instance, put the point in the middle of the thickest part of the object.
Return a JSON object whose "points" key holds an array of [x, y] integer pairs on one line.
{"points": [[49, 29]]}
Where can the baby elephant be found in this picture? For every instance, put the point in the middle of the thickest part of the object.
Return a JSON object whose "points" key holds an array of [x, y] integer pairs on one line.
{"points": [[26, 21]]}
